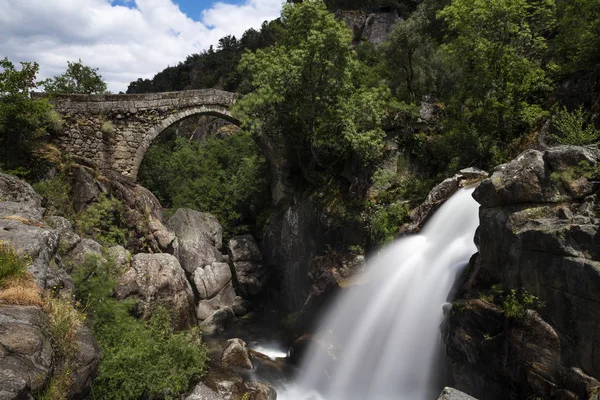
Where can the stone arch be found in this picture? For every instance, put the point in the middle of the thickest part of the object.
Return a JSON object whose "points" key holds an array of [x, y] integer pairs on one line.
{"points": [[213, 110]]}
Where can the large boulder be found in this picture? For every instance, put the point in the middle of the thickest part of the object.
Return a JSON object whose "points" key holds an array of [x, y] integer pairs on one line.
{"points": [[200, 237], [250, 270], [236, 354], [84, 249], [203, 392], [15, 190], [260, 391], [214, 286], [26, 353], [158, 279], [68, 238]]}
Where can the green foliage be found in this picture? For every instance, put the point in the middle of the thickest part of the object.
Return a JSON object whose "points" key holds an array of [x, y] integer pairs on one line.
{"points": [[23, 121], [225, 177], [515, 304], [56, 192], [78, 78], [107, 128], [308, 92], [573, 128], [103, 221], [386, 221], [12, 265], [139, 359]]}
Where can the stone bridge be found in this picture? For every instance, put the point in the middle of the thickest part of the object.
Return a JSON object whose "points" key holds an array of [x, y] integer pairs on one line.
{"points": [[113, 131]]}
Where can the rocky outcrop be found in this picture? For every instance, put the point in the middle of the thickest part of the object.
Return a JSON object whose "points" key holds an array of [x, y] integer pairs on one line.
{"points": [[250, 272], [373, 27], [538, 235], [68, 238], [26, 353], [85, 365], [203, 392], [84, 249], [158, 279]]}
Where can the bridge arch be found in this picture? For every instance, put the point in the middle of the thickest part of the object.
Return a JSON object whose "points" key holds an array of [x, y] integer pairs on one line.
{"points": [[155, 131], [114, 132]]}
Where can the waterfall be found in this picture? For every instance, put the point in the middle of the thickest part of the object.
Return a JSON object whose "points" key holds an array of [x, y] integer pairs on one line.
{"points": [[386, 332]]}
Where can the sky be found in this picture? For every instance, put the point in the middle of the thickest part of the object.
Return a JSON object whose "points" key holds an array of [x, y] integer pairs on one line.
{"points": [[125, 39]]}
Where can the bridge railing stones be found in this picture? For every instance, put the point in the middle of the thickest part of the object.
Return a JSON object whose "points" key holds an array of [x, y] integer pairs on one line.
{"points": [[113, 131]]}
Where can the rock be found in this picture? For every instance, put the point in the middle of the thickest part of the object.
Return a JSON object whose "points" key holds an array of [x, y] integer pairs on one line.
{"points": [[86, 189], [165, 238], [21, 211], [158, 279], [453, 394], [84, 249], [203, 392], [241, 306], [378, 26], [250, 271], [34, 241], [15, 190], [438, 195], [68, 238], [260, 391], [121, 257], [472, 173], [225, 382], [224, 298], [235, 354], [218, 321], [210, 279], [25, 352], [194, 226], [85, 366]]}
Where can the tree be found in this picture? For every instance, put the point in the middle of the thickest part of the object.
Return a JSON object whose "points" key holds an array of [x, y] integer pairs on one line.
{"points": [[78, 78], [499, 46], [23, 120], [308, 92]]}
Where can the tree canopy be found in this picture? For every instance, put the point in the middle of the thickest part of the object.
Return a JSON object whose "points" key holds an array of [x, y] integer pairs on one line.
{"points": [[78, 78]]}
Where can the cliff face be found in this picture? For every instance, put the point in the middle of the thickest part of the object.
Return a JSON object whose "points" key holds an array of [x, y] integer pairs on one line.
{"points": [[539, 237]]}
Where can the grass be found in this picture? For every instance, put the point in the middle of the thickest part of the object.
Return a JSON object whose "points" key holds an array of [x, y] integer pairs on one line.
{"points": [[12, 264], [21, 290]]}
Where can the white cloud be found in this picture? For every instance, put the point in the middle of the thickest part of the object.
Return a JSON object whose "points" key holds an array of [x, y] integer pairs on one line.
{"points": [[125, 43]]}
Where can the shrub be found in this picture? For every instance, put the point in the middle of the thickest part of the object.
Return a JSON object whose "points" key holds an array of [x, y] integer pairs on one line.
{"points": [[12, 265], [139, 359], [107, 128], [102, 221], [56, 192], [572, 128], [385, 222], [515, 304]]}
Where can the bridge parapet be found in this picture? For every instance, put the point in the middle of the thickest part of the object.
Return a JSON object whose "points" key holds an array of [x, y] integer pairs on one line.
{"points": [[113, 131]]}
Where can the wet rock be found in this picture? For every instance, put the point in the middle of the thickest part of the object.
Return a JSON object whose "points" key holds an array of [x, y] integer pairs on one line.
{"points": [[218, 321], [25, 352], [260, 391], [158, 279], [250, 271], [453, 394], [236, 354]]}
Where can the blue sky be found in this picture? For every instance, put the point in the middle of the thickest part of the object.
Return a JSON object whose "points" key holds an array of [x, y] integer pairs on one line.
{"points": [[125, 39]]}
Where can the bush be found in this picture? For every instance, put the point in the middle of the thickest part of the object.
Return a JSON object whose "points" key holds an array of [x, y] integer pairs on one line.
{"points": [[515, 304], [12, 265], [385, 223], [572, 128], [107, 128], [56, 192], [102, 221], [139, 359]]}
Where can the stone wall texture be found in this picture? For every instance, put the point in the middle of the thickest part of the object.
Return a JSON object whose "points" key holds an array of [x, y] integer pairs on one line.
{"points": [[113, 131]]}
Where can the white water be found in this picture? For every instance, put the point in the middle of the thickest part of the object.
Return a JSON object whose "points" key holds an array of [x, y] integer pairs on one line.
{"points": [[387, 332]]}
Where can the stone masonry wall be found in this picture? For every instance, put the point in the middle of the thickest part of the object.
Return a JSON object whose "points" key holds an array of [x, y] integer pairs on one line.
{"points": [[114, 131]]}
